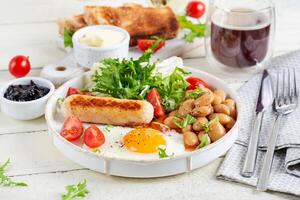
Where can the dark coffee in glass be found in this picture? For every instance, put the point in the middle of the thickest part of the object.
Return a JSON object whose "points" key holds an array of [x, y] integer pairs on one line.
{"points": [[239, 36], [241, 43]]}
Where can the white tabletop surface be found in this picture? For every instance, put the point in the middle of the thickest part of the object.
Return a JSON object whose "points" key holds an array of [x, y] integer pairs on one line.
{"points": [[28, 27]]}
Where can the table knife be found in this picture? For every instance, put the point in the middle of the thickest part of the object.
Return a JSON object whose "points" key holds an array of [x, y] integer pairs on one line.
{"points": [[264, 100]]}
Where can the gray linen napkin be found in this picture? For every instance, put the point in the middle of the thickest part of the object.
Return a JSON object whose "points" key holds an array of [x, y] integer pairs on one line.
{"points": [[285, 175]]}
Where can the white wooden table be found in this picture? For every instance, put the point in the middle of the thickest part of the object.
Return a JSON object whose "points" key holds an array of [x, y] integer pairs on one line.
{"points": [[28, 27]]}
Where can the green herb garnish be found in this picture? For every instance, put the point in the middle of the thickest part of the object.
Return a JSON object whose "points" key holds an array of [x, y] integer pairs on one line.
{"points": [[68, 38], [195, 30], [206, 125], [193, 94], [134, 78], [97, 151], [205, 140], [172, 88], [7, 181], [108, 128], [189, 119], [74, 191], [162, 153]]}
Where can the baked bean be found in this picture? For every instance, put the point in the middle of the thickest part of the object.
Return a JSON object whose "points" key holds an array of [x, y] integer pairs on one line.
{"points": [[190, 139], [205, 99], [186, 107], [169, 121], [230, 124], [197, 126], [222, 108], [223, 119], [231, 105], [216, 131], [202, 111], [173, 113], [186, 129], [221, 94]]}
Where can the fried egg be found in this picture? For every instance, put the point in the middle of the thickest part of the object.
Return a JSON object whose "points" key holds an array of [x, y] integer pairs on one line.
{"points": [[139, 143]]}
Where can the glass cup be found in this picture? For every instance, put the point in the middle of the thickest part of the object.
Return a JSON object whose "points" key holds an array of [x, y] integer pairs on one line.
{"points": [[239, 35]]}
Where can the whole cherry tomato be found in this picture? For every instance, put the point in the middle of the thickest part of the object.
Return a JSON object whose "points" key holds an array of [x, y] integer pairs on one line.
{"points": [[93, 137], [72, 128], [195, 9], [195, 82], [19, 66], [154, 98]]}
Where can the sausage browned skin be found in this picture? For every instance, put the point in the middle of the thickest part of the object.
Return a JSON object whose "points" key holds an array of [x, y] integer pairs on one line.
{"points": [[108, 110]]}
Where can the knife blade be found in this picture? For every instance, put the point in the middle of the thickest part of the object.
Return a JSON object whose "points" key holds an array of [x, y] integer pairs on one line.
{"points": [[264, 101]]}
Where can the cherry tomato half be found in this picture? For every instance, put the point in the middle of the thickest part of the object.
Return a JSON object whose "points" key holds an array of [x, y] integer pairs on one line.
{"points": [[72, 91], [72, 128], [154, 98], [195, 9], [19, 66], [93, 137], [145, 44], [195, 82]]}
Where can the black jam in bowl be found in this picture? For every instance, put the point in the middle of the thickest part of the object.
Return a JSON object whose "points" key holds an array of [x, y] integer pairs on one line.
{"points": [[25, 92]]}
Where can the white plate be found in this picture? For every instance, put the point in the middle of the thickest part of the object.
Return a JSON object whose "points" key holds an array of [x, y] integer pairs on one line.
{"points": [[142, 168]]}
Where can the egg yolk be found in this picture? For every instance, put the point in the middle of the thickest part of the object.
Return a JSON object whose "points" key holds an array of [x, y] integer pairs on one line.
{"points": [[144, 140]]}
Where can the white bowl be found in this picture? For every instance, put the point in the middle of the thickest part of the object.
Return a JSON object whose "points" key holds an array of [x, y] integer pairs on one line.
{"points": [[141, 168], [86, 56], [28, 109]]}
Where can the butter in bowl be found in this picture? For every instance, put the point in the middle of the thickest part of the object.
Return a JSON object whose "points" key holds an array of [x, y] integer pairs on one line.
{"points": [[95, 43]]}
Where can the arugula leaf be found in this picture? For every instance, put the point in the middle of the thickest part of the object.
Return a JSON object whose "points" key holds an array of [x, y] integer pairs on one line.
{"points": [[7, 181], [193, 94], [68, 38], [134, 78], [189, 119], [195, 30], [207, 124], [205, 140], [125, 79], [73, 191], [172, 88]]}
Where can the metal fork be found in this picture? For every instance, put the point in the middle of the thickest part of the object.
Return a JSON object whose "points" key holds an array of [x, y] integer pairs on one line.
{"points": [[285, 102]]}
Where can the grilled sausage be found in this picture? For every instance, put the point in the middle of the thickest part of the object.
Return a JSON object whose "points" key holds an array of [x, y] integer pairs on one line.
{"points": [[108, 110]]}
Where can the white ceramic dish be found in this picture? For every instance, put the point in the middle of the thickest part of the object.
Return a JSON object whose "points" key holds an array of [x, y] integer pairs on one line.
{"points": [[86, 56], [141, 168], [29, 109]]}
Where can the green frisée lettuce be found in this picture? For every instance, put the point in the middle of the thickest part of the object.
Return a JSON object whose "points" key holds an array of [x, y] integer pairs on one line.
{"points": [[134, 78]]}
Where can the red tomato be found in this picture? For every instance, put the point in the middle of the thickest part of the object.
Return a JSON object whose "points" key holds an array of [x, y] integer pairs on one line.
{"points": [[195, 9], [93, 137], [154, 98], [19, 66], [145, 44], [195, 82], [72, 128], [72, 91]]}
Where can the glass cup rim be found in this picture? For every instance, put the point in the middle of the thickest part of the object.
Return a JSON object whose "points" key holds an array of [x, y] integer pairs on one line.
{"points": [[267, 8]]}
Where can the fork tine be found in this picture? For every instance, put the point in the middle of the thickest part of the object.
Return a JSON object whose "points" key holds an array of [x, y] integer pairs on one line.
{"points": [[295, 83], [290, 88], [277, 85], [284, 84]]}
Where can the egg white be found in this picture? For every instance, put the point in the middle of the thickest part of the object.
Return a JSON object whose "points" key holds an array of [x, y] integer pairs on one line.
{"points": [[114, 148]]}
